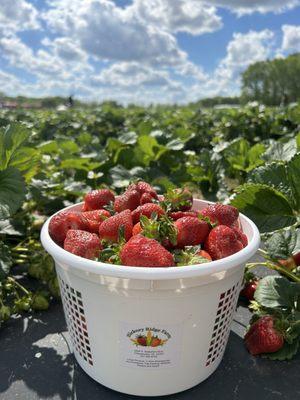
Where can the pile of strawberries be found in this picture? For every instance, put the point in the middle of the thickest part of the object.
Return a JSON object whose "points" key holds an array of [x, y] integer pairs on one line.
{"points": [[140, 228]]}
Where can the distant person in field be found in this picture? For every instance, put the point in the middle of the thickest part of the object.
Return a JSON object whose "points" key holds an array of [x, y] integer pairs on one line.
{"points": [[70, 101]]}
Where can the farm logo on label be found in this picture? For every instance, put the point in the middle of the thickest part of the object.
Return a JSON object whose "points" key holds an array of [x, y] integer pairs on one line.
{"points": [[148, 337]]}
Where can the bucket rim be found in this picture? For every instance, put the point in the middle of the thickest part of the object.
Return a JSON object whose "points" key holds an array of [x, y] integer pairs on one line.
{"points": [[123, 271]]}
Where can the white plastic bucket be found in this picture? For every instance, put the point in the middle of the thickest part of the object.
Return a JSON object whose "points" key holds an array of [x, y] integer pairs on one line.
{"points": [[189, 309]]}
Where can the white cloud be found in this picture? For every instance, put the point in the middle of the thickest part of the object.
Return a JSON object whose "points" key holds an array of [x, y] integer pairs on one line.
{"points": [[191, 16], [291, 38], [18, 15], [242, 7], [242, 50], [131, 74], [109, 32], [49, 62]]}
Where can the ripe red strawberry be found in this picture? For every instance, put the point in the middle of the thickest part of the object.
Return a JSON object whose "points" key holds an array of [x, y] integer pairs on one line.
{"points": [[143, 187], [146, 198], [96, 199], [241, 236], [142, 340], [263, 337], [137, 229], [291, 262], [180, 214], [83, 244], [222, 242], [95, 218], [64, 221], [129, 200], [110, 228], [140, 251], [249, 289], [146, 209], [191, 231], [221, 214], [204, 254]]}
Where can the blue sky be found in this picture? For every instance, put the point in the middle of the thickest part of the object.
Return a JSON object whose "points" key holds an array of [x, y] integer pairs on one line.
{"points": [[143, 51]]}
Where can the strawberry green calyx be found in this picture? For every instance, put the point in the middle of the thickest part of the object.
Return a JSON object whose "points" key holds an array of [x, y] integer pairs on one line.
{"points": [[189, 256], [160, 228], [178, 200]]}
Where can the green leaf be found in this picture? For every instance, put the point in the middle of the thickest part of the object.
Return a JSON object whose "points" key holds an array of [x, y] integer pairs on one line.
{"points": [[284, 243], [266, 206], [79, 163], [293, 168], [11, 227], [293, 332], [68, 146], [273, 174], [277, 292], [5, 261], [12, 192], [281, 151], [11, 140], [287, 352], [48, 147]]}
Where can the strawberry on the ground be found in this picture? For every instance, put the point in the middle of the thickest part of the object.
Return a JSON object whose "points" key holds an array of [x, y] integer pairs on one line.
{"points": [[137, 229], [83, 244], [95, 218], [221, 242], [96, 199], [64, 221], [190, 231], [263, 337], [221, 214], [110, 228], [180, 214], [249, 289], [140, 251], [179, 199], [146, 198], [292, 262], [129, 200], [146, 209]]}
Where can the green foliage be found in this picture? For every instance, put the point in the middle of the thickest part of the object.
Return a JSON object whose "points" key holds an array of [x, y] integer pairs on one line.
{"points": [[272, 82], [50, 159]]}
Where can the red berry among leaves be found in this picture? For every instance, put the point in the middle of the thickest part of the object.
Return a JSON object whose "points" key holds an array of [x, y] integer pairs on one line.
{"points": [[191, 231], [263, 337], [83, 244], [95, 218], [137, 229], [179, 199], [249, 289], [140, 251], [129, 200], [222, 242], [221, 214], [96, 199], [110, 228], [62, 222], [146, 209]]}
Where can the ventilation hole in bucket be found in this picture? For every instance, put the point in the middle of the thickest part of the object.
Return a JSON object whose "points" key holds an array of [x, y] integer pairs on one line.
{"points": [[221, 329], [76, 321]]}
